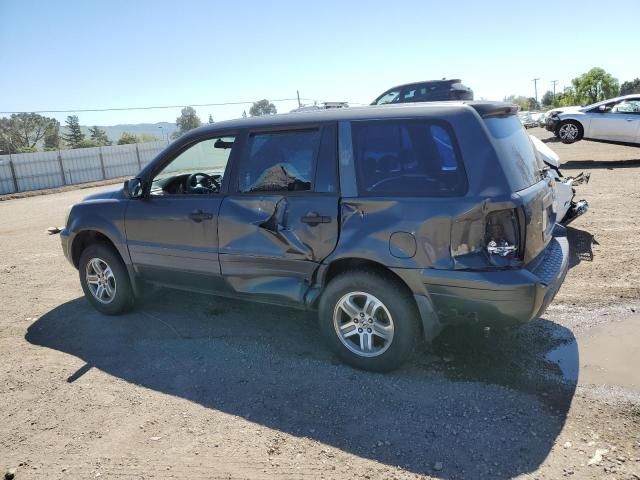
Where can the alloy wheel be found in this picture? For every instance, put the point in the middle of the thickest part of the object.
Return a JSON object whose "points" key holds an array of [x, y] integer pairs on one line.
{"points": [[100, 280], [568, 131], [363, 324]]}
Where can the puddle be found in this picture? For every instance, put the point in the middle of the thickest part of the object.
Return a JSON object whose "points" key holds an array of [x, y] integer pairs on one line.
{"points": [[567, 358]]}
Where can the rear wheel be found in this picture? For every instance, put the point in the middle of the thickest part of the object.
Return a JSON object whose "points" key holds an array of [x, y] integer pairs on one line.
{"points": [[105, 280], [369, 320], [569, 131]]}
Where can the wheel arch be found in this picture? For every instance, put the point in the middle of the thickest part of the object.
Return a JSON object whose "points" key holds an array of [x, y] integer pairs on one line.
{"points": [[429, 324], [85, 238]]}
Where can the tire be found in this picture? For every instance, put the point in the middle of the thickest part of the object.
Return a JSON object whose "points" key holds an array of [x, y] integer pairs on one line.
{"points": [[569, 131], [380, 342], [105, 280]]}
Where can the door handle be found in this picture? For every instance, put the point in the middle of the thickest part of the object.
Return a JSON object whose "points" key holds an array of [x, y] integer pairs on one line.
{"points": [[199, 215], [314, 219]]}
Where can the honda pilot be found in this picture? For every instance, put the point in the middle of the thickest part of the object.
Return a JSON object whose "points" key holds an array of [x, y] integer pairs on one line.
{"points": [[391, 221]]}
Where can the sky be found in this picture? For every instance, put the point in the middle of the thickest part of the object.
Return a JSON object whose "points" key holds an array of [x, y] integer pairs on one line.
{"points": [[71, 55]]}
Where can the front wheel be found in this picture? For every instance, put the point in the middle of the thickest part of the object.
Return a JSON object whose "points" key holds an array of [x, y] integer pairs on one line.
{"points": [[369, 320], [105, 280], [569, 131]]}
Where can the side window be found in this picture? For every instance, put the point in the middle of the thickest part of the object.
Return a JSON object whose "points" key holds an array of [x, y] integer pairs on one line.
{"points": [[197, 170], [279, 162], [627, 106], [407, 158]]}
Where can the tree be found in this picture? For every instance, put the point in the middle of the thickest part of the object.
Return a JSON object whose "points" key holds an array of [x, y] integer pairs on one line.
{"points": [[52, 136], [22, 132], [547, 98], [75, 135], [262, 107], [627, 88], [147, 137], [522, 102], [188, 120], [127, 138], [99, 136], [244, 114], [595, 85], [210, 119], [87, 143]]}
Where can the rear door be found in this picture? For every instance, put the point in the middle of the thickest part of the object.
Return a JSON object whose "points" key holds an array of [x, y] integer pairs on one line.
{"points": [[280, 219]]}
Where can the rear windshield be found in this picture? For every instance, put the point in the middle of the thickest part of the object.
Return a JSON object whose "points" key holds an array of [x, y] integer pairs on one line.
{"points": [[407, 158], [516, 152]]}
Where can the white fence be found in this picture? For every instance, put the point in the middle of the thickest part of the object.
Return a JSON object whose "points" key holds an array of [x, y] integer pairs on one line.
{"points": [[34, 171]]}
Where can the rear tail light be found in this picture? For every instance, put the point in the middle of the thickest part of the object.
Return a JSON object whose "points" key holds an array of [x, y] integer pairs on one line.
{"points": [[480, 240], [502, 235]]}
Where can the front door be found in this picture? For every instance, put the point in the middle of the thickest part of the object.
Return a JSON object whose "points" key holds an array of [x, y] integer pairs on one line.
{"points": [[621, 123], [172, 231], [280, 218]]}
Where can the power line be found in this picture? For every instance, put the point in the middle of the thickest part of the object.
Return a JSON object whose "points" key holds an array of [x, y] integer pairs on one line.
{"points": [[120, 109]]}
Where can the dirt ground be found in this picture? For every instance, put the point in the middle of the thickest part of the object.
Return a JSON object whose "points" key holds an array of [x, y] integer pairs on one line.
{"points": [[191, 386]]}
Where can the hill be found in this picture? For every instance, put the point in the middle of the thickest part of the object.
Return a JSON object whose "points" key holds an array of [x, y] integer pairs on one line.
{"points": [[114, 132]]}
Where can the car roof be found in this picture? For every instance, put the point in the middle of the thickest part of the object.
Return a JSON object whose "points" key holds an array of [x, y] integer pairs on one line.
{"points": [[411, 84], [360, 113], [633, 96]]}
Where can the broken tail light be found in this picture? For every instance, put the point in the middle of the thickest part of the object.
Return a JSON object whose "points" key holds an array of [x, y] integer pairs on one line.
{"points": [[502, 235]]}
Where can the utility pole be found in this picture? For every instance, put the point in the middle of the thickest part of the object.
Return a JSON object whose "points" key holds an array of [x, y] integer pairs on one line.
{"points": [[554, 82], [535, 86], [298, 93]]}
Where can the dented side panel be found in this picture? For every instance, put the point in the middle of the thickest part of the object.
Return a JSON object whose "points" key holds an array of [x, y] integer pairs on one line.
{"points": [[270, 245]]}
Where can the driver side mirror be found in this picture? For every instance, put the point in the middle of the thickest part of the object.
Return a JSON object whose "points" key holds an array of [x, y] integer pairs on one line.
{"points": [[133, 188]]}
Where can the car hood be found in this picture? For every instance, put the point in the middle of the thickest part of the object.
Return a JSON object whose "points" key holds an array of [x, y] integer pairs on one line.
{"points": [[549, 157], [574, 108], [114, 192]]}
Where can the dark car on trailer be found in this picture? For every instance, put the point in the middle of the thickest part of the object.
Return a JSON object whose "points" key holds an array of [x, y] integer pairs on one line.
{"points": [[426, 91], [391, 221]]}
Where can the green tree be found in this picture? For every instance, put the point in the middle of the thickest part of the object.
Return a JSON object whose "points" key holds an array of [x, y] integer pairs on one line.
{"points": [[262, 107], [188, 120], [210, 119], [74, 135], [521, 101], [87, 143], [22, 132], [595, 85], [547, 98], [127, 138], [147, 137], [99, 136], [627, 88], [52, 136]]}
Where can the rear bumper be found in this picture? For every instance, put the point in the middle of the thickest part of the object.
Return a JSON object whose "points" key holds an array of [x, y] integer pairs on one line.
{"points": [[499, 297]]}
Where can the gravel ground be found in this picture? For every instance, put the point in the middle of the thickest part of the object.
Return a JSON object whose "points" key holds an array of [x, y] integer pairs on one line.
{"points": [[190, 386]]}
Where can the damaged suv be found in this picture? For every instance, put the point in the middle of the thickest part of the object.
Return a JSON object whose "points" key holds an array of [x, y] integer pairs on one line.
{"points": [[391, 221]]}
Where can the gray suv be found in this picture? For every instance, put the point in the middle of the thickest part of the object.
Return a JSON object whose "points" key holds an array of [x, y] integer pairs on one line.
{"points": [[391, 221]]}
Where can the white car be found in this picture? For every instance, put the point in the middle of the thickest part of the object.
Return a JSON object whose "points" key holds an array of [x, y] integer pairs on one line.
{"points": [[616, 120], [567, 209]]}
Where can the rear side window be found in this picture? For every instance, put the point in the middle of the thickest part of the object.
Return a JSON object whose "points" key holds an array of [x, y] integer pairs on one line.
{"points": [[407, 158], [282, 161], [515, 150]]}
